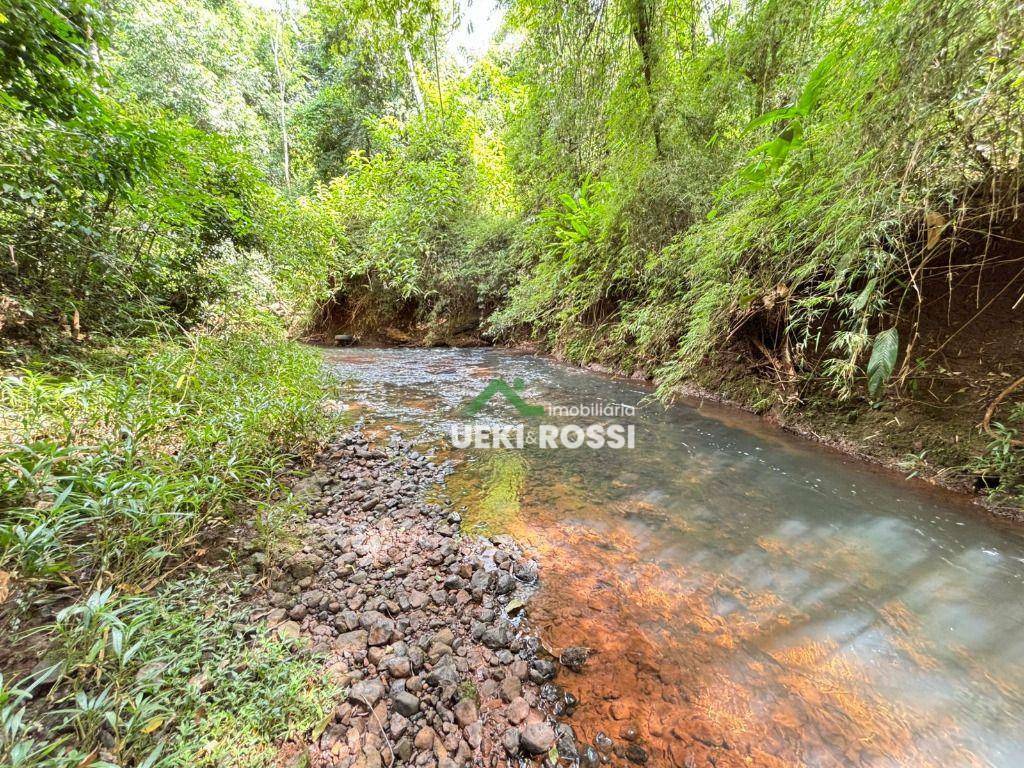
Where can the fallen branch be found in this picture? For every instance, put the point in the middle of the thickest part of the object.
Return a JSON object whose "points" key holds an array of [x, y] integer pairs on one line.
{"points": [[990, 411]]}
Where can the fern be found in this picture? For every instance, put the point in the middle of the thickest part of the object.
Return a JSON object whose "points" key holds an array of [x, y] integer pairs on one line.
{"points": [[884, 354]]}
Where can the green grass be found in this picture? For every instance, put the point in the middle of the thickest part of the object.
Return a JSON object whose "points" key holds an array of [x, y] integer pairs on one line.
{"points": [[173, 679], [121, 463]]}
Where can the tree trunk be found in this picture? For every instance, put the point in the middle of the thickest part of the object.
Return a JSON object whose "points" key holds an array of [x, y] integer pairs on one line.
{"points": [[275, 45], [410, 65], [641, 18]]}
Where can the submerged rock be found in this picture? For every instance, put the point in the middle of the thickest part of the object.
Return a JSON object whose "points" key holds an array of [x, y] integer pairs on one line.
{"points": [[574, 657], [636, 754], [589, 757]]}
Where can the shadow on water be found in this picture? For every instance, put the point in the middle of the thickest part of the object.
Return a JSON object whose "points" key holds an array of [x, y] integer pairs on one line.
{"points": [[752, 599]]}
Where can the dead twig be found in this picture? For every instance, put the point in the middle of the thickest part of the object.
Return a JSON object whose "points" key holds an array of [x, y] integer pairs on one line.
{"points": [[990, 411]]}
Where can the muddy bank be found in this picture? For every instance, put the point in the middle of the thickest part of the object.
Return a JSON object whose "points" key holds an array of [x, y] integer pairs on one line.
{"points": [[422, 627]]}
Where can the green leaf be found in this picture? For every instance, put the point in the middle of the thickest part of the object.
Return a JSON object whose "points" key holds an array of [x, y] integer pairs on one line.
{"points": [[882, 363], [862, 300], [774, 116]]}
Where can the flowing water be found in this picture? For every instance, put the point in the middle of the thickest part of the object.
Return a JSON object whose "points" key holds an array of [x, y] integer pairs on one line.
{"points": [[752, 598]]}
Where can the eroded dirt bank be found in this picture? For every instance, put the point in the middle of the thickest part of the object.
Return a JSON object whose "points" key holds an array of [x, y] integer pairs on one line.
{"points": [[424, 628]]}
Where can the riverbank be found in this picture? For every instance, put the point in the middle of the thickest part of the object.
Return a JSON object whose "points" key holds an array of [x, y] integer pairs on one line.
{"points": [[422, 627], [719, 572], [127, 467]]}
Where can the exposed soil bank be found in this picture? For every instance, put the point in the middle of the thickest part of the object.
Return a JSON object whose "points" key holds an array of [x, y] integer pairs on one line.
{"points": [[424, 628]]}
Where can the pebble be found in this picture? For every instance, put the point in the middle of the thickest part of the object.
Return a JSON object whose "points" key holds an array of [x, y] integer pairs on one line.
{"points": [[409, 616]]}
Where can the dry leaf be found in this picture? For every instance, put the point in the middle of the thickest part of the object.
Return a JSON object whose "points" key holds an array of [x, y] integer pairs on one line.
{"points": [[935, 222]]}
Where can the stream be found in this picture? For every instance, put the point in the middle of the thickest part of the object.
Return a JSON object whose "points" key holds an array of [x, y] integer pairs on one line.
{"points": [[750, 598]]}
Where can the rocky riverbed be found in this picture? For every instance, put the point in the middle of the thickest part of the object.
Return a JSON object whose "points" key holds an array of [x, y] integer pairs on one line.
{"points": [[423, 627]]}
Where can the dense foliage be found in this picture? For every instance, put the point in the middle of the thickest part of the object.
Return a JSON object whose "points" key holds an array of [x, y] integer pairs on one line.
{"points": [[797, 203], [147, 400]]}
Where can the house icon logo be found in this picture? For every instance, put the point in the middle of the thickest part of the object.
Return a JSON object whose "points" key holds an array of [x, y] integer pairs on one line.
{"points": [[511, 393]]}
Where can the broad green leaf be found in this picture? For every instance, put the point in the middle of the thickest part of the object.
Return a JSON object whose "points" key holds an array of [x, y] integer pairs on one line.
{"points": [[882, 363]]}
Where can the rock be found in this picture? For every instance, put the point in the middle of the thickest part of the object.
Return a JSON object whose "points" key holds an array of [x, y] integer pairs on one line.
{"points": [[526, 570], [444, 637], [406, 704], [454, 582], [444, 672], [537, 738], [603, 743], [510, 688], [424, 739], [288, 630], [398, 724], [465, 712], [350, 642], [481, 581], [312, 598], [403, 749], [510, 740], [497, 636], [574, 658], [303, 564], [504, 584], [542, 670], [520, 669], [367, 692], [517, 710], [380, 632], [636, 754], [589, 757], [398, 666], [566, 706], [566, 741], [372, 758]]}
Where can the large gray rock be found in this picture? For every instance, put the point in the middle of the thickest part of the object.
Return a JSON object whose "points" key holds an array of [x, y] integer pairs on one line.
{"points": [[537, 738], [444, 672], [351, 642], [366, 692], [406, 704], [498, 636]]}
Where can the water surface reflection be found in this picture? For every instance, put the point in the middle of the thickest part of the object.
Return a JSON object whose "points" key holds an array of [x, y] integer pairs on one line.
{"points": [[753, 599]]}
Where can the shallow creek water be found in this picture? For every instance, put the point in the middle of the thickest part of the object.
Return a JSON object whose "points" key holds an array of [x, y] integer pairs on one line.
{"points": [[751, 598]]}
